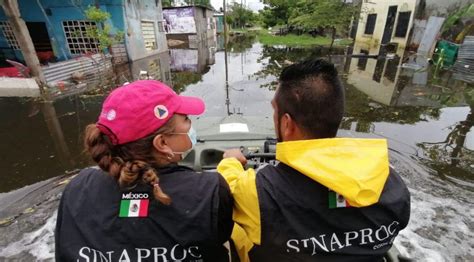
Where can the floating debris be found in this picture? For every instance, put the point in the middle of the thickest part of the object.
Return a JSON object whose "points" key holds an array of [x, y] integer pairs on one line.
{"points": [[7, 221], [375, 105], [278, 64], [29, 210], [411, 66], [173, 42], [67, 180]]}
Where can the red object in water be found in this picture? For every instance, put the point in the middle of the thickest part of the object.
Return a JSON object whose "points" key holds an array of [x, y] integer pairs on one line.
{"points": [[61, 85]]}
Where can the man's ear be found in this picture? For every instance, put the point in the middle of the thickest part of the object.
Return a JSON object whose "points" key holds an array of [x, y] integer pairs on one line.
{"points": [[287, 125], [159, 143]]}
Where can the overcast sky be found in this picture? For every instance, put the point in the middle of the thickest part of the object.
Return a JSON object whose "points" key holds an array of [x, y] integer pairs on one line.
{"points": [[252, 4]]}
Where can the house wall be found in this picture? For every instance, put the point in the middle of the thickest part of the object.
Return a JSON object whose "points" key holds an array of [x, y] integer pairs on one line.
{"points": [[204, 23], [53, 13], [381, 9], [135, 12]]}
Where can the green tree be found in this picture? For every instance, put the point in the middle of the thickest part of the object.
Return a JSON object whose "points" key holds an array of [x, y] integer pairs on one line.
{"points": [[181, 80], [198, 2], [277, 12], [167, 3], [101, 31], [334, 15], [238, 16]]}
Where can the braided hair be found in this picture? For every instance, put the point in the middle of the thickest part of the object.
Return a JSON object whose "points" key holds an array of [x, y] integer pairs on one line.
{"points": [[130, 164]]}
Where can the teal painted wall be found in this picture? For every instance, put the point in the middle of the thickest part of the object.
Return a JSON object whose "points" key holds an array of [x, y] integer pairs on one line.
{"points": [[59, 11]]}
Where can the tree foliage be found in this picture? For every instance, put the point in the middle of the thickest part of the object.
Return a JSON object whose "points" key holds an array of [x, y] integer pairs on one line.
{"points": [[333, 14], [198, 2], [309, 14], [239, 16], [277, 12], [101, 31]]}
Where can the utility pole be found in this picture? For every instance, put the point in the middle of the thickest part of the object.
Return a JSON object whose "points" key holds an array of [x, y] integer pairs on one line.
{"points": [[224, 8], [23, 37], [227, 100]]}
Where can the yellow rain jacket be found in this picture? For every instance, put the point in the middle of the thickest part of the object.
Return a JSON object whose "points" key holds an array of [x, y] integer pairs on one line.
{"points": [[357, 169]]}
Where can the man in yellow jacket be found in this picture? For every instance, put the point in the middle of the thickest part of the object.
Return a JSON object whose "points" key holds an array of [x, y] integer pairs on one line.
{"points": [[328, 199]]}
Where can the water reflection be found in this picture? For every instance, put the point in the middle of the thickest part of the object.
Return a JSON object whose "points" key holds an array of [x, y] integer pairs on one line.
{"points": [[380, 91], [55, 130], [375, 77], [241, 43], [384, 89], [189, 62], [410, 93], [155, 67], [242, 93], [40, 139], [273, 58], [453, 157], [43, 137]]}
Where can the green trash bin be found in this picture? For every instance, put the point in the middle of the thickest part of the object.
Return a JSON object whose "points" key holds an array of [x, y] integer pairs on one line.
{"points": [[447, 51]]}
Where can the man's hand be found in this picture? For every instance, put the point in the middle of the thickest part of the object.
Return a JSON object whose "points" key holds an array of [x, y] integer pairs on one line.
{"points": [[237, 154]]}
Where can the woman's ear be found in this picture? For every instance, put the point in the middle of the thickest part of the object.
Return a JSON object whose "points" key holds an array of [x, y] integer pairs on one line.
{"points": [[159, 143]]}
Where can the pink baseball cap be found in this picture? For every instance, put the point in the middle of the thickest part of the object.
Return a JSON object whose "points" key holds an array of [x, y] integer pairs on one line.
{"points": [[136, 110]]}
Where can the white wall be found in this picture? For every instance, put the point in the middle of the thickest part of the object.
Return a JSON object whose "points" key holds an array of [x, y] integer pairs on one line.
{"points": [[380, 7]]}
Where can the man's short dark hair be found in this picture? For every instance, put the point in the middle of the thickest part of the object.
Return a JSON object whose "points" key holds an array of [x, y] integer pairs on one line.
{"points": [[313, 95]]}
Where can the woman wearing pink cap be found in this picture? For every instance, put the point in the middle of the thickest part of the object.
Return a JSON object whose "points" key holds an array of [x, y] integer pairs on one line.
{"points": [[141, 205]]}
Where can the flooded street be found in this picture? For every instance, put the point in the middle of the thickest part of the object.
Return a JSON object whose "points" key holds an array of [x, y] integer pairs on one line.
{"points": [[426, 116]]}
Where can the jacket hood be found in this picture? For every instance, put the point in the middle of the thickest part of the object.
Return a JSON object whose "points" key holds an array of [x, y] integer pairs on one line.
{"points": [[354, 168]]}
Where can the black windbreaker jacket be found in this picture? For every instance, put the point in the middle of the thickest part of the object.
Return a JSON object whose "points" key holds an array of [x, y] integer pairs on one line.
{"points": [[97, 221], [298, 225]]}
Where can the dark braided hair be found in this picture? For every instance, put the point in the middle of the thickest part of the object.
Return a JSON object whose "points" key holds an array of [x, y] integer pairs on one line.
{"points": [[130, 163]]}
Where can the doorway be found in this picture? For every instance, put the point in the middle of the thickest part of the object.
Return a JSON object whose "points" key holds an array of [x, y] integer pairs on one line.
{"points": [[41, 41]]}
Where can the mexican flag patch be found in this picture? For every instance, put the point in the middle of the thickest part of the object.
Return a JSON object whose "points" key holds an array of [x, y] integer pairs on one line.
{"points": [[336, 200], [134, 205]]}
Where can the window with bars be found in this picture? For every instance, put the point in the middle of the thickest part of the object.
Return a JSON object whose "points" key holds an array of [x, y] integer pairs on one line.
{"points": [[370, 25], [161, 26], [77, 39], [9, 36], [402, 24], [148, 32]]}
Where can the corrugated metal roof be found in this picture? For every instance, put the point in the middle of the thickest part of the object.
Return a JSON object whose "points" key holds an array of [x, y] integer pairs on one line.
{"points": [[464, 67], [62, 71]]}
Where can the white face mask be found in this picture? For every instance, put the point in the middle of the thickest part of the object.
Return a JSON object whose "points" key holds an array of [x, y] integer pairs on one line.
{"points": [[192, 135]]}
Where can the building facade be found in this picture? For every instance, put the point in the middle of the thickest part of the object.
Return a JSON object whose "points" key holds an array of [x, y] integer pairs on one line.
{"points": [[383, 22], [58, 28], [193, 24]]}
